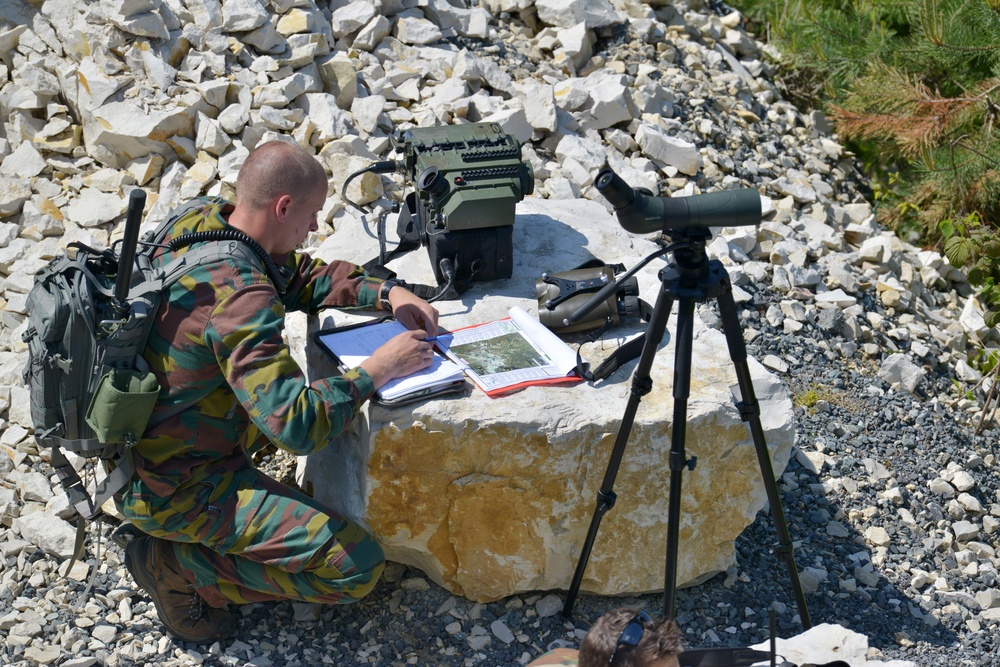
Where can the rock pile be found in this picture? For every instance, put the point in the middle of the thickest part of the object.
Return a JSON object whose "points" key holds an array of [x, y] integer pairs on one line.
{"points": [[170, 95]]}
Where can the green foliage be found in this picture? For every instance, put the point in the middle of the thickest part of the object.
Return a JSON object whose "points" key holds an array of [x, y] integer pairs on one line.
{"points": [[975, 247], [984, 360], [808, 398], [914, 87]]}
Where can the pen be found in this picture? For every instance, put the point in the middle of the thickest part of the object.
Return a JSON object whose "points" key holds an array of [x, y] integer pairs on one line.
{"points": [[431, 339]]}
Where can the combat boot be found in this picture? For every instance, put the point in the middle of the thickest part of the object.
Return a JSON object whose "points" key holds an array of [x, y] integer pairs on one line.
{"points": [[184, 613]]}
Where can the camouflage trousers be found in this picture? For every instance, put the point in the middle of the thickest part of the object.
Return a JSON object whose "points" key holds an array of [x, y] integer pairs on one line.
{"points": [[246, 538]]}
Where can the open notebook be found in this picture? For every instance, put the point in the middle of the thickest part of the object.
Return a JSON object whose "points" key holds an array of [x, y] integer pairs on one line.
{"points": [[352, 344]]}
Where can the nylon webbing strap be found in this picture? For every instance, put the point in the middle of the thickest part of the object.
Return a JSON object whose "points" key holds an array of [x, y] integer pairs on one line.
{"points": [[624, 354], [75, 489]]}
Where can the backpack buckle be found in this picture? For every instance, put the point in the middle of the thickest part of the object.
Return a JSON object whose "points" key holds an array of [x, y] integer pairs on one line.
{"points": [[109, 327]]}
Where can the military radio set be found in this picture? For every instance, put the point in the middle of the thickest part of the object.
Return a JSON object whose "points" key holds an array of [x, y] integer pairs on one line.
{"points": [[466, 181]]}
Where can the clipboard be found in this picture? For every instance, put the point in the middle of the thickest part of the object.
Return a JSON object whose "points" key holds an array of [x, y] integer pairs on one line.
{"points": [[443, 388]]}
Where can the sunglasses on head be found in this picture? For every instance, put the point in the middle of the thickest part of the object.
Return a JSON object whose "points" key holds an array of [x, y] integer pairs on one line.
{"points": [[632, 633]]}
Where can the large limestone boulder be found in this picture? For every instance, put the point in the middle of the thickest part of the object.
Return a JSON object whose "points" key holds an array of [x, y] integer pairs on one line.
{"points": [[492, 497]]}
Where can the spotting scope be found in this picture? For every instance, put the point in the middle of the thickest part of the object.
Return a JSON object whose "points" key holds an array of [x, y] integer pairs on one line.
{"points": [[641, 212]]}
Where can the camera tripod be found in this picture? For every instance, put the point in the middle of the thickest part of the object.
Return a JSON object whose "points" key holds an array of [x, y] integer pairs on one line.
{"points": [[691, 278]]}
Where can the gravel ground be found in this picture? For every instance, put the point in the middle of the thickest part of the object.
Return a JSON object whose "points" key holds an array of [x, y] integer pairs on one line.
{"points": [[882, 451]]}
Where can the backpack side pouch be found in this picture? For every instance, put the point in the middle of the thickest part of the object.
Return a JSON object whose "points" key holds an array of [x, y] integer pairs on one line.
{"points": [[122, 405]]}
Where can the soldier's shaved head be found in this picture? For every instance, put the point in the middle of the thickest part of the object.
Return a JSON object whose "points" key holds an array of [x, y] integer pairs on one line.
{"points": [[274, 169]]}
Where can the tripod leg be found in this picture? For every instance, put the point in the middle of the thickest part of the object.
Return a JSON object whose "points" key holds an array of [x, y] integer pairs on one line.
{"points": [[641, 385], [750, 413], [678, 458]]}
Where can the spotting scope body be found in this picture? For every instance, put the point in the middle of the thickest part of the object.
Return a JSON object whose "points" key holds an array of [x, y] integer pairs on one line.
{"points": [[641, 212]]}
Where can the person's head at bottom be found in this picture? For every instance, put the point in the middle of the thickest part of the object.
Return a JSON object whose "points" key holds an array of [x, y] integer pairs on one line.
{"points": [[627, 637]]}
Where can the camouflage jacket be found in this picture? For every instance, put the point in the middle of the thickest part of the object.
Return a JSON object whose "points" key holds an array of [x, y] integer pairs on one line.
{"points": [[226, 372]]}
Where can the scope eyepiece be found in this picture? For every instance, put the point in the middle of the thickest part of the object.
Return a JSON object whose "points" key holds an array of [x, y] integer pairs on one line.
{"points": [[614, 189]]}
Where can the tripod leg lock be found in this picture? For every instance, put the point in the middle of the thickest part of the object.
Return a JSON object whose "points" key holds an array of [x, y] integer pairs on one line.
{"points": [[606, 500], [678, 462], [642, 386], [782, 550], [748, 410]]}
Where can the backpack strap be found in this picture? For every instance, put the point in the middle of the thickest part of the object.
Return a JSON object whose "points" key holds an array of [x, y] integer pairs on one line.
{"points": [[209, 252]]}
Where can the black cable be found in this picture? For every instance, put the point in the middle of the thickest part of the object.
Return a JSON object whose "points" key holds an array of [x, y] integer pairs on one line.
{"points": [[448, 271], [381, 236], [280, 284], [383, 167]]}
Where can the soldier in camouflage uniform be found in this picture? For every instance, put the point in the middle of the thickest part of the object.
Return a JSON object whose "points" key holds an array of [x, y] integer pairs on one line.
{"points": [[214, 529]]}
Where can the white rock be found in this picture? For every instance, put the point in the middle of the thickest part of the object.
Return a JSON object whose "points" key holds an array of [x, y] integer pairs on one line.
{"points": [[471, 22], [963, 481], [798, 188], [775, 363], [941, 487], [567, 13], [970, 503], [811, 460], [514, 122], [123, 131], [24, 162], [577, 43], [588, 152], [878, 536], [330, 120], [610, 102], [145, 24], [671, 151], [230, 163], [502, 632], [988, 599], [92, 208], [877, 250], [243, 15], [965, 531], [539, 104], [973, 320], [836, 297], [13, 193], [550, 605], [571, 94], [372, 33], [266, 39], [197, 177], [210, 136], [234, 118], [366, 112], [353, 16], [899, 369], [416, 31], [48, 532]]}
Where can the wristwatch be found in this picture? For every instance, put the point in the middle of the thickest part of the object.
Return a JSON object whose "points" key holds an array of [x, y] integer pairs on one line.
{"points": [[383, 293]]}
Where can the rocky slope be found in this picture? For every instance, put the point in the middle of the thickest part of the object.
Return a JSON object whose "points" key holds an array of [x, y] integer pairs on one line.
{"points": [[892, 498]]}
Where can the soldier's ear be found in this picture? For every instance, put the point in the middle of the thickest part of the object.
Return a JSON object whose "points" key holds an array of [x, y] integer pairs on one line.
{"points": [[281, 205]]}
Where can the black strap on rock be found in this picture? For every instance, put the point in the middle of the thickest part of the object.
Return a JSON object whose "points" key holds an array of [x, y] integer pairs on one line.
{"points": [[618, 358]]}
